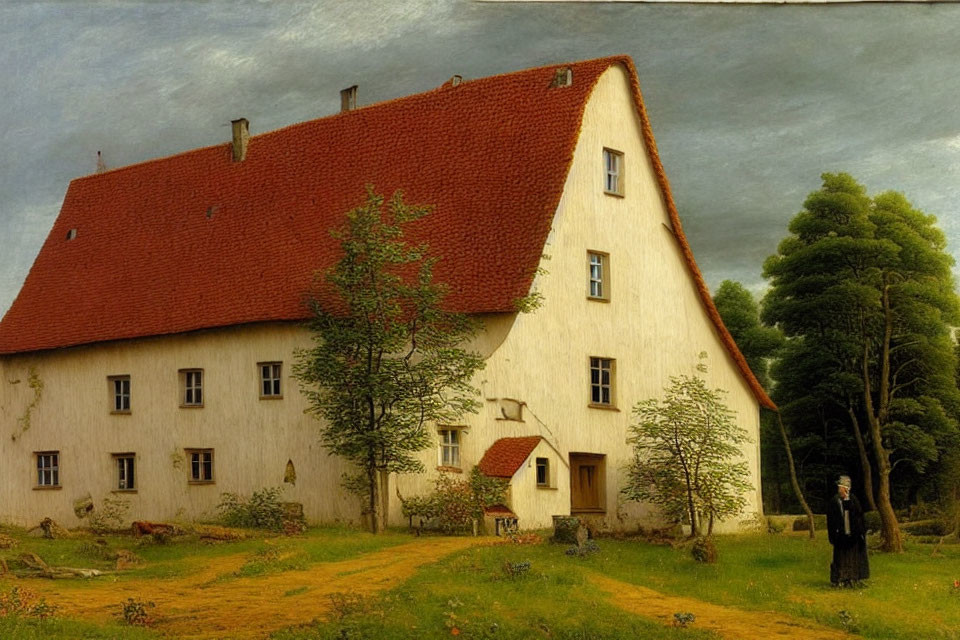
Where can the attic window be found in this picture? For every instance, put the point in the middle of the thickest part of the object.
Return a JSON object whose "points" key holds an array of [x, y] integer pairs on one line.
{"points": [[456, 80], [562, 77], [71, 234]]}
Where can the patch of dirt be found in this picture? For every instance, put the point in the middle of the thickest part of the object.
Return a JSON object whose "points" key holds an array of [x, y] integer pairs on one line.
{"points": [[198, 606], [728, 622]]}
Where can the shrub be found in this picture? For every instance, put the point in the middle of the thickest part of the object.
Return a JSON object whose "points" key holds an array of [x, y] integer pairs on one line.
{"points": [[516, 569], [872, 520], [585, 549], [925, 528], [455, 504], [703, 550], [819, 521], [23, 603], [134, 612], [261, 511], [774, 527], [683, 620]]}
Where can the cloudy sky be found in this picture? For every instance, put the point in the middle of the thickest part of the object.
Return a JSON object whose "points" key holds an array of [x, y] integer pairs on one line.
{"points": [[749, 104]]}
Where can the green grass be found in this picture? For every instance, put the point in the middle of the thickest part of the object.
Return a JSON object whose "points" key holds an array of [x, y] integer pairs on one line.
{"points": [[182, 556], [57, 628], [909, 596], [473, 592]]}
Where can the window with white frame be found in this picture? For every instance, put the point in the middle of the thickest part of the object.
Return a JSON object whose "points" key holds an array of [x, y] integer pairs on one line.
{"points": [[48, 469], [120, 393], [191, 387], [601, 382], [270, 379], [543, 472], [613, 172], [201, 465], [126, 475], [599, 275], [450, 448]]}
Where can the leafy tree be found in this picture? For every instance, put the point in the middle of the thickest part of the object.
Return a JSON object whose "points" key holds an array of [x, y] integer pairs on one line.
{"points": [[685, 452], [387, 359], [864, 289], [741, 316], [758, 344]]}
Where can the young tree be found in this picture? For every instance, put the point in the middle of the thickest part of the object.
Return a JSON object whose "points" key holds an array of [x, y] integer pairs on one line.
{"points": [[758, 344], [864, 290], [387, 359], [685, 455]]}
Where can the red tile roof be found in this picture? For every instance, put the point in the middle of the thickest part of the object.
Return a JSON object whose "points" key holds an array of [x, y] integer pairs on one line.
{"points": [[197, 241], [506, 455]]}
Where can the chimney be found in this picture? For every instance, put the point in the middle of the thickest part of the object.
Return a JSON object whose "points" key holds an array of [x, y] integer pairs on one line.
{"points": [[241, 137], [348, 99]]}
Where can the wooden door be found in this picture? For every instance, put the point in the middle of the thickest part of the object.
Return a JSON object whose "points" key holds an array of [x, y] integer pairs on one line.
{"points": [[587, 482]]}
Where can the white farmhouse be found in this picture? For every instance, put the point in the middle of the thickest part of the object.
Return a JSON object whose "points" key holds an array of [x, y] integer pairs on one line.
{"points": [[149, 352]]}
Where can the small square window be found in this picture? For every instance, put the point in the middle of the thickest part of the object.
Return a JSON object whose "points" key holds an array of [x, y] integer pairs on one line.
{"points": [[270, 379], [126, 475], [613, 172], [543, 472], [48, 469], [191, 387], [598, 275], [601, 382], [449, 448], [201, 465], [119, 394]]}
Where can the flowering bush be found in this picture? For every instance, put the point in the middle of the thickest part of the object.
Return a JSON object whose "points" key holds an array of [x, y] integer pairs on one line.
{"points": [[455, 503], [20, 602]]}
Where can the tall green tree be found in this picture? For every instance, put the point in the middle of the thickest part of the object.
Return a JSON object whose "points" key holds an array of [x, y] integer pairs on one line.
{"points": [[387, 359], [864, 290], [687, 456], [758, 344]]}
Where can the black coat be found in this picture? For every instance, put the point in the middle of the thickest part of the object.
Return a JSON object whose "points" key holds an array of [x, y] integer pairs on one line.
{"points": [[850, 562]]}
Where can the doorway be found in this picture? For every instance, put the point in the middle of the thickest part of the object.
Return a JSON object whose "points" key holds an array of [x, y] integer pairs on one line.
{"points": [[587, 482]]}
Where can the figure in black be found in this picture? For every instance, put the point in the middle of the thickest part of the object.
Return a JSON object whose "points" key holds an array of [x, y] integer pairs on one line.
{"points": [[848, 535]]}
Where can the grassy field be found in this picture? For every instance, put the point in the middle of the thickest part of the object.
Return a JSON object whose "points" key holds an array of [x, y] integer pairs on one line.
{"points": [[536, 591]]}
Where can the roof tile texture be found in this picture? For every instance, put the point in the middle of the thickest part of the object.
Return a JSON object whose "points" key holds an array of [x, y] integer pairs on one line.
{"points": [[197, 241], [506, 455]]}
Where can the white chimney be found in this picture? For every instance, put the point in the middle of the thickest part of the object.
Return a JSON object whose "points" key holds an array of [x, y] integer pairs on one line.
{"points": [[241, 137]]}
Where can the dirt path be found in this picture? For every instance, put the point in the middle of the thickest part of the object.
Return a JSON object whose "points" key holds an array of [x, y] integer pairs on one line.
{"points": [[735, 624], [198, 607]]}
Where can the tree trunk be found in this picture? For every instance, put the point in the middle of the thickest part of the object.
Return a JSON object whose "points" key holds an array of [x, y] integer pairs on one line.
{"points": [[890, 528], [864, 460], [384, 499], [793, 475], [374, 491]]}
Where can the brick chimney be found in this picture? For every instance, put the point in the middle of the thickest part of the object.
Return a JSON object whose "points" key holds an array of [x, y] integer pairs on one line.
{"points": [[348, 99], [241, 137]]}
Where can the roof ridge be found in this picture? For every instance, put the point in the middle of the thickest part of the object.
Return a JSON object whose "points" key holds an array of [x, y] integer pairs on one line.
{"points": [[344, 114]]}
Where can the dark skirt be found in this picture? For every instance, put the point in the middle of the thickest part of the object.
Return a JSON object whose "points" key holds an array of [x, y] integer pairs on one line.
{"points": [[850, 561]]}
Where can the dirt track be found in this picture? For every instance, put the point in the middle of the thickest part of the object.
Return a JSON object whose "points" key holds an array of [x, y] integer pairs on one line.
{"points": [[198, 606], [735, 624], [244, 608]]}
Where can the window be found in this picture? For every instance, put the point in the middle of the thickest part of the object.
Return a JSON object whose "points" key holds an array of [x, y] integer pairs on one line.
{"points": [[598, 286], [450, 448], [120, 394], [191, 385], [601, 382], [48, 469], [613, 172], [270, 380], [126, 478], [201, 465], [543, 472]]}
